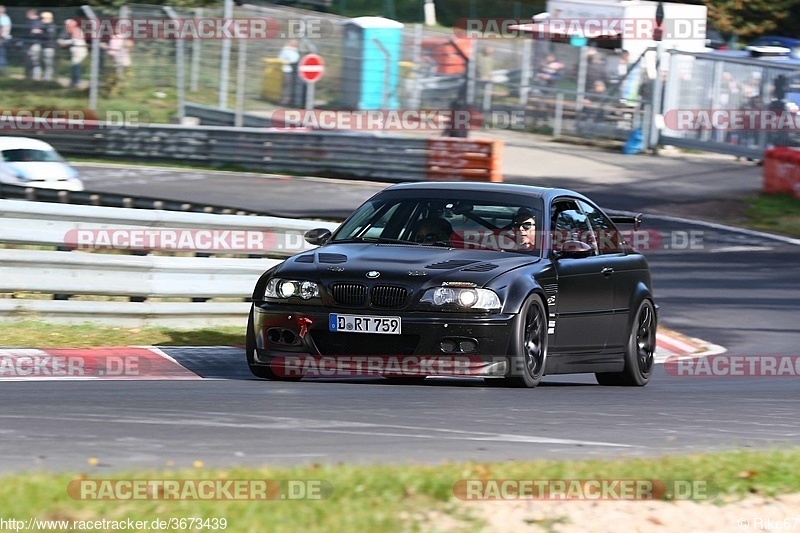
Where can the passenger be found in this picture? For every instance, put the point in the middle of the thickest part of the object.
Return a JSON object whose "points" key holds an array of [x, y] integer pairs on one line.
{"points": [[432, 230]]}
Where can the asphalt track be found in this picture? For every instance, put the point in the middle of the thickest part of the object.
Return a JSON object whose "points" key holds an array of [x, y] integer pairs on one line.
{"points": [[735, 289]]}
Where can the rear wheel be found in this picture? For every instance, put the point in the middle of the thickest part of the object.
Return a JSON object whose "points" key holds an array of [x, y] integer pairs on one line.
{"points": [[261, 371], [529, 350], [640, 352]]}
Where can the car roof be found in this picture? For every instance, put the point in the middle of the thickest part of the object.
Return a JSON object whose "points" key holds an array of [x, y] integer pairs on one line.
{"points": [[546, 193], [778, 39], [22, 143]]}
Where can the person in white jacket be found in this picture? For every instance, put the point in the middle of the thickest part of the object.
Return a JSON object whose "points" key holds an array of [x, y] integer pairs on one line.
{"points": [[78, 50]]}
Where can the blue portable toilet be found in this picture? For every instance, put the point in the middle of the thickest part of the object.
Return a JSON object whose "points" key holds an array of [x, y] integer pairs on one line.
{"points": [[370, 63]]}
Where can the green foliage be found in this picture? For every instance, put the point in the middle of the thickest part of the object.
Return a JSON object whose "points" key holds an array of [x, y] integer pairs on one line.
{"points": [[751, 18]]}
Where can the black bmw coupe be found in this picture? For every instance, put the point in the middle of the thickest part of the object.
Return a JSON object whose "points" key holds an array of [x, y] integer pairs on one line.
{"points": [[505, 282]]}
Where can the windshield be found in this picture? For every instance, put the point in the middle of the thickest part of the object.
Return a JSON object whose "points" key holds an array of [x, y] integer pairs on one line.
{"points": [[454, 223], [26, 155]]}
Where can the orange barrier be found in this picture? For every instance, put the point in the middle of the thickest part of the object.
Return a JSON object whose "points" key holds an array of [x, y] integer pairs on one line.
{"points": [[456, 159], [782, 171]]}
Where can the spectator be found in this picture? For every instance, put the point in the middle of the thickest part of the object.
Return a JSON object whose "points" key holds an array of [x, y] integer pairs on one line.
{"points": [[752, 88], [5, 34], [48, 38], [74, 39], [33, 63], [290, 56], [550, 71], [119, 49], [730, 92], [595, 68]]}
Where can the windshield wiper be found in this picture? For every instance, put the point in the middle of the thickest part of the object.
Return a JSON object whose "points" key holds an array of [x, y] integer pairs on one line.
{"points": [[378, 240]]}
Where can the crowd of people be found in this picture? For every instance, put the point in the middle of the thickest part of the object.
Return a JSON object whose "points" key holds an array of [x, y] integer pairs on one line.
{"points": [[39, 39]]}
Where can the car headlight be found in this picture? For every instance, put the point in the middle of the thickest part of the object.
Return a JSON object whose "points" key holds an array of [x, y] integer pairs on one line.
{"points": [[287, 288], [462, 298]]}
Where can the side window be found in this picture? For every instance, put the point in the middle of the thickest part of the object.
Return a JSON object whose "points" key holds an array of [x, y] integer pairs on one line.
{"points": [[608, 237], [570, 224]]}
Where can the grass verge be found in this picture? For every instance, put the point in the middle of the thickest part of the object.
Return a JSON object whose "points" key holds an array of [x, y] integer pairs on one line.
{"points": [[37, 334], [387, 498], [779, 213]]}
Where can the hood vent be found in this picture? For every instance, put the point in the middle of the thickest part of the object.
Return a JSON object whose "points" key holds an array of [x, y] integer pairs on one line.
{"points": [[450, 264], [308, 258], [482, 267], [331, 258]]}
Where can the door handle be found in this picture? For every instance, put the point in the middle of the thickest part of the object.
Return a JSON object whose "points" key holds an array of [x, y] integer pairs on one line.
{"points": [[607, 271]]}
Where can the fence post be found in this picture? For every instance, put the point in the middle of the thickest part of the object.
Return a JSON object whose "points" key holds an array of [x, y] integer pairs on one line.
{"points": [[658, 90], [471, 68], [194, 77], [525, 74], [416, 91], [582, 67], [180, 66], [226, 60], [557, 123], [94, 70], [241, 73]]}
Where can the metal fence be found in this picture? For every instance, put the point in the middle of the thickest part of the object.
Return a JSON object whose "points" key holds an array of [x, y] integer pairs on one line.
{"points": [[697, 84], [132, 284], [313, 153], [559, 89]]}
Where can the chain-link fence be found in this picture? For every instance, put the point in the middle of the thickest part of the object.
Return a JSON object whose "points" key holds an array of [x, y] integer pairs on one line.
{"points": [[733, 105], [553, 86]]}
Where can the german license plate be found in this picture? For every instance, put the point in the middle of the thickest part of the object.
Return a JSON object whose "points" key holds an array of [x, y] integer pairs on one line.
{"points": [[387, 325]]}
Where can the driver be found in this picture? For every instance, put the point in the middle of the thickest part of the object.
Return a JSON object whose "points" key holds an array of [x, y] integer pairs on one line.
{"points": [[433, 230], [524, 225]]}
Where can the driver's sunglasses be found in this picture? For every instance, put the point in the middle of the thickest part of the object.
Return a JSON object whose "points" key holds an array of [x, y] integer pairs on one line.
{"points": [[525, 225]]}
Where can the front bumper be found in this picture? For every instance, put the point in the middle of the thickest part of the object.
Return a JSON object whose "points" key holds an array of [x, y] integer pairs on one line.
{"points": [[300, 335], [60, 185]]}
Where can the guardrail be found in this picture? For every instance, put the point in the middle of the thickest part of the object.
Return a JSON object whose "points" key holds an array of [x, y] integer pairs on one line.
{"points": [[87, 257], [35, 194], [335, 154]]}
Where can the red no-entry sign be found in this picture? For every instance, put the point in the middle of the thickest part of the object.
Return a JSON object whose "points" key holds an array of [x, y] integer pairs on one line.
{"points": [[310, 68]]}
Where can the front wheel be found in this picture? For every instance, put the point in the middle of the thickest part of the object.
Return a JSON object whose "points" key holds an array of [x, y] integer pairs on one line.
{"points": [[529, 349], [260, 371], [640, 352]]}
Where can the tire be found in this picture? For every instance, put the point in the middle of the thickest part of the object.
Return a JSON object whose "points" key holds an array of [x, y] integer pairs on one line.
{"points": [[529, 347], [639, 353], [260, 371]]}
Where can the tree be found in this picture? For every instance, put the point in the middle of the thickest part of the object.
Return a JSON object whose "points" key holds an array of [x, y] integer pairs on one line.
{"points": [[752, 18]]}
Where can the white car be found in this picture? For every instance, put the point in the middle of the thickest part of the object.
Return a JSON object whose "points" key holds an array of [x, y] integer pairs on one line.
{"points": [[34, 163]]}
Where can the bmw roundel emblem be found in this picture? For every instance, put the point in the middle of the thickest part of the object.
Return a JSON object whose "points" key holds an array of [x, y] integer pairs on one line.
{"points": [[372, 274]]}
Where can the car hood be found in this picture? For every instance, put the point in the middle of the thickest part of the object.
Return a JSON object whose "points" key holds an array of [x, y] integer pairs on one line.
{"points": [[42, 170], [407, 264]]}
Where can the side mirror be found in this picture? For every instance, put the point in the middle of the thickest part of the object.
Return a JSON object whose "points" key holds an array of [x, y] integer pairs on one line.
{"points": [[318, 236], [573, 250]]}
